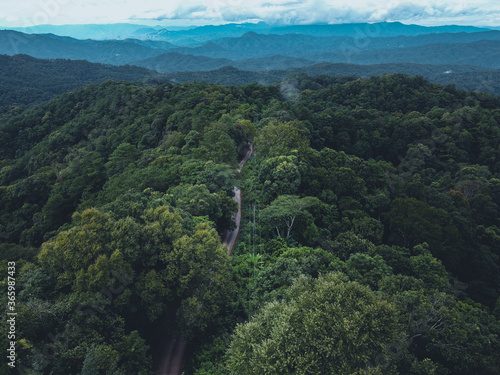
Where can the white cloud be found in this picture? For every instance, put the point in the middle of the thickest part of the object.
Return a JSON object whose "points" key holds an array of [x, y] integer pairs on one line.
{"points": [[273, 11]]}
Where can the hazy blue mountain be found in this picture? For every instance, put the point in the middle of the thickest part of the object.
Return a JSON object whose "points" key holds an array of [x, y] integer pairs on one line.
{"points": [[481, 48], [252, 44], [199, 35], [357, 30], [448, 38], [420, 40], [177, 62], [90, 31], [210, 49], [255, 44], [155, 44], [50, 46], [274, 62], [372, 30], [485, 53]]}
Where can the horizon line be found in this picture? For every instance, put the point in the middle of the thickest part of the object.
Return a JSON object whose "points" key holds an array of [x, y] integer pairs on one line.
{"points": [[248, 22]]}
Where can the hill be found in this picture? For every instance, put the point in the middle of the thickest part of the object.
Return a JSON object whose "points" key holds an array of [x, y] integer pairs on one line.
{"points": [[370, 221], [25, 80], [90, 31], [50, 46], [479, 48], [367, 50], [376, 29], [467, 77], [199, 35], [177, 62], [174, 62], [483, 53]]}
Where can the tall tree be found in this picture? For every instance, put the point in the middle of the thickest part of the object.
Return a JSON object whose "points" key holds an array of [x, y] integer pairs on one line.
{"points": [[327, 326]]}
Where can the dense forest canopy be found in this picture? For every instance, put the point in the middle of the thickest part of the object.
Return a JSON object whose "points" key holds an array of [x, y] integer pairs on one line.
{"points": [[25, 81], [370, 238]]}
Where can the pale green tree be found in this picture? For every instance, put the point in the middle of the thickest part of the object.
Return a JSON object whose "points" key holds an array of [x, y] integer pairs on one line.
{"points": [[328, 325]]}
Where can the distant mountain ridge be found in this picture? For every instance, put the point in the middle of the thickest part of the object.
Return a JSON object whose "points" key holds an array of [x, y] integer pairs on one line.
{"points": [[484, 53], [440, 48], [356, 30], [91, 31], [25, 80], [50, 46], [244, 53], [377, 29], [177, 62], [200, 34], [468, 77]]}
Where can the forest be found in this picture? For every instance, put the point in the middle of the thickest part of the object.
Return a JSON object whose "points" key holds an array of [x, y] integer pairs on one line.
{"points": [[369, 244]]}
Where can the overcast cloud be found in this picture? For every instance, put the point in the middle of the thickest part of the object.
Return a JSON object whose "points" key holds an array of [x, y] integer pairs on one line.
{"points": [[179, 12]]}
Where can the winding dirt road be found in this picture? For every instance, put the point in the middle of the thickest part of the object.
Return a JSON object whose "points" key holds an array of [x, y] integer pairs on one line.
{"points": [[230, 237], [171, 362], [173, 356]]}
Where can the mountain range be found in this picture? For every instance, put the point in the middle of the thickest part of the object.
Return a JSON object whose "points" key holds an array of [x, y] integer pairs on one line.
{"points": [[25, 81], [480, 48], [466, 77], [241, 53], [200, 34]]}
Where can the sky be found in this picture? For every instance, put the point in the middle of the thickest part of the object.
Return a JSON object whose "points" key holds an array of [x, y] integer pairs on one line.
{"points": [[25, 13]]}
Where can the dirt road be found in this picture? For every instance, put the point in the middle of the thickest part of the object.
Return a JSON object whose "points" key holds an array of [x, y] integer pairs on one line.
{"points": [[171, 362], [230, 237], [172, 359]]}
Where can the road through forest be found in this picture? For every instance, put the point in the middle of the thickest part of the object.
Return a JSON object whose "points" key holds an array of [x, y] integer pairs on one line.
{"points": [[173, 355]]}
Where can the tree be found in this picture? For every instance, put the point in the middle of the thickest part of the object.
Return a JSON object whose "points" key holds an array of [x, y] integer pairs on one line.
{"points": [[272, 283], [327, 326], [218, 146], [279, 175], [197, 269], [412, 221], [367, 269], [278, 138], [349, 243], [461, 337], [198, 201], [284, 210], [119, 160]]}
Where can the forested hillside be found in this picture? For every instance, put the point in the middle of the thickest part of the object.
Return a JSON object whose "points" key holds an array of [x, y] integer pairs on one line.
{"points": [[25, 80], [466, 77], [370, 239]]}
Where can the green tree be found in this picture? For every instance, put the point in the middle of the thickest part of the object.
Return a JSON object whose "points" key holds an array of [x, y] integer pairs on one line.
{"points": [[284, 210], [328, 326], [119, 160], [279, 138], [412, 221], [279, 175]]}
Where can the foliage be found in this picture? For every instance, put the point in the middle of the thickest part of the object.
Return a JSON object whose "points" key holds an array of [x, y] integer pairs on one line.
{"points": [[369, 227], [328, 325]]}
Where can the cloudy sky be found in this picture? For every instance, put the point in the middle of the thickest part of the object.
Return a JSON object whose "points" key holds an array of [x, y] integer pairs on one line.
{"points": [[189, 12]]}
